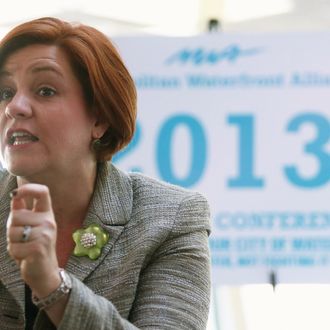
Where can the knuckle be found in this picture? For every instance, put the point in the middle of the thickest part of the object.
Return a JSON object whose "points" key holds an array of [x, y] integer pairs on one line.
{"points": [[10, 233], [46, 237], [11, 250], [50, 224]]}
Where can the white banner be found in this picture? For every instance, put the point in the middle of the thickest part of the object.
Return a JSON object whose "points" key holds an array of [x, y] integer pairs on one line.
{"points": [[244, 119]]}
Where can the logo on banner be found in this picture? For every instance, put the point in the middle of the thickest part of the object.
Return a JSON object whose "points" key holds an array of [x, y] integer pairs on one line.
{"points": [[200, 55]]}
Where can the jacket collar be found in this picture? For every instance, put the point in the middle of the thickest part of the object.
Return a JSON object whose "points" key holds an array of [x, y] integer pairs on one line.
{"points": [[111, 208], [113, 196]]}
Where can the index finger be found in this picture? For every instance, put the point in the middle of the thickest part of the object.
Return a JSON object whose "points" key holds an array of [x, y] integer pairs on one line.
{"points": [[38, 193]]}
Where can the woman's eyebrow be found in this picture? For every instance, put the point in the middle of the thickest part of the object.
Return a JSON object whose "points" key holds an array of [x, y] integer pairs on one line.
{"points": [[46, 68]]}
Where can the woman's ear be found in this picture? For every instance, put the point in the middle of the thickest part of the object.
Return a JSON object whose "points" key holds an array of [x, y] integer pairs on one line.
{"points": [[99, 129]]}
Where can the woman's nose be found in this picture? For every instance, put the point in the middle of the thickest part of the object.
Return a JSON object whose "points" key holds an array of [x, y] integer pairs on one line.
{"points": [[18, 107]]}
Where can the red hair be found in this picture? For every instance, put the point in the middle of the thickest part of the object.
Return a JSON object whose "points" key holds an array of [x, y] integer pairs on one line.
{"points": [[108, 86]]}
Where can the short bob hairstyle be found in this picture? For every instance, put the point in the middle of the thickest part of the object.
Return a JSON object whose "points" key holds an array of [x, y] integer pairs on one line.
{"points": [[107, 85]]}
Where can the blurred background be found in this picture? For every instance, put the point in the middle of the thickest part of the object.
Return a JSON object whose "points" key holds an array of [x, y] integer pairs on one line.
{"points": [[176, 17], [244, 307]]}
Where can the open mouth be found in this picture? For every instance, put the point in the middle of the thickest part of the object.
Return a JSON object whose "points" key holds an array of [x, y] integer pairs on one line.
{"points": [[19, 138]]}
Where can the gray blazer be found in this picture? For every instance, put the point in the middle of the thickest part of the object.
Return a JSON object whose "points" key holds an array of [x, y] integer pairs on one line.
{"points": [[154, 272]]}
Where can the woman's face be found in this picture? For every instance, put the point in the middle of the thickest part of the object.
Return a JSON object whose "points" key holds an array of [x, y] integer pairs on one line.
{"points": [[45, 126]]}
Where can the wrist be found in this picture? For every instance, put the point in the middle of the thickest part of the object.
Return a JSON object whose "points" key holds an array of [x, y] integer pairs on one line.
{"points": [[61, 289], [47, 283]]}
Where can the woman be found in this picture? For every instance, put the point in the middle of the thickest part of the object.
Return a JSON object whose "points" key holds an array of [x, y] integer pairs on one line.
{"points": [[134, 250]]}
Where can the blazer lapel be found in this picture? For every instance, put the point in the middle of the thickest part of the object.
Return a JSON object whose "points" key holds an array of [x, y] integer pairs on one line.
{"points": [[111, 208], [9, 271]]}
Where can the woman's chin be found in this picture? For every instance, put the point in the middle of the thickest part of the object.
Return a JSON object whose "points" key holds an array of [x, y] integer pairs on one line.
{"points": [[22, 170]]}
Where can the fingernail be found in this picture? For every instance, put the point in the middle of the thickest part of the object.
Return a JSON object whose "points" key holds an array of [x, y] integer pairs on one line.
{"points": [[13, 193]]}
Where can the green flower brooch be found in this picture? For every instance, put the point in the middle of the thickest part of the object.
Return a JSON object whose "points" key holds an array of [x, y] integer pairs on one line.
{"points": [[89, 241]]}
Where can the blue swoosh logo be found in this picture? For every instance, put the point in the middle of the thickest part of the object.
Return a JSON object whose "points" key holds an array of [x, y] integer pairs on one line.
{"points": [[200, 55]]}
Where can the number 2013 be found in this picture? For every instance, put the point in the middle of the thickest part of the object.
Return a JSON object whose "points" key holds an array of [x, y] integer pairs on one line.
{"points": [[245, 177]]}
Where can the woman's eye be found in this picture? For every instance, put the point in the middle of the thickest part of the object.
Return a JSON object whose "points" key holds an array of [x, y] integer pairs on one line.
{"points": [[46, 91], [6, 94]]}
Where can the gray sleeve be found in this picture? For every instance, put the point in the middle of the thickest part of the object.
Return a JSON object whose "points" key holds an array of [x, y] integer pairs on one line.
{"points": [[86, 311], [173, 290]]}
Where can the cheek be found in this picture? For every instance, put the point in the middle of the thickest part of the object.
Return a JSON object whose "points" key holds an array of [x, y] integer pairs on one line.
{"points": [[69, 125], [70, 132]]}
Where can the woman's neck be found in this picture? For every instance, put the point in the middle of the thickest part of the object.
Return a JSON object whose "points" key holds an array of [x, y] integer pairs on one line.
{"points": [[70, 194]]}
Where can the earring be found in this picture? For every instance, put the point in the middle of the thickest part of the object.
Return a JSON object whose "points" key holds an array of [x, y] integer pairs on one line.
{"points": [[96, 144]]}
